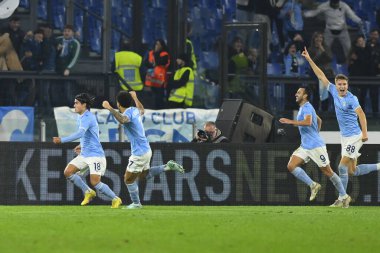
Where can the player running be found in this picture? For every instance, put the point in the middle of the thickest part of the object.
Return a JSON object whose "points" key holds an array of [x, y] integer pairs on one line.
{"points": [[348, 110], [90, 153], [141, 153], [312, 147]]}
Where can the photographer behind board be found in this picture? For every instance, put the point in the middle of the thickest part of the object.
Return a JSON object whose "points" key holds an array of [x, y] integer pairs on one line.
{"points": [[210, 134]]}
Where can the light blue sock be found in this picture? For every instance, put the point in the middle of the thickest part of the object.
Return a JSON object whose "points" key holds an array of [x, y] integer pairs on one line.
{"points": [[154, 171], [337, 182], [78, 181], [134, 192], [106, 190], [343, 174], [301, 175], [363, 169]]}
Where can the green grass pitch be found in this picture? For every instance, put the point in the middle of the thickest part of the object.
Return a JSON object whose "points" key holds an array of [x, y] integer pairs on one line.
{"points": [[193, 229]]}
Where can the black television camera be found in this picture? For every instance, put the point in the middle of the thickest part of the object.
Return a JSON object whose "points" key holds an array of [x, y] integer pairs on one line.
{"points": [[203, 136]]}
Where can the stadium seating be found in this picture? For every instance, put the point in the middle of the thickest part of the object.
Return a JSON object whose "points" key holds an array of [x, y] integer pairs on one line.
{"points": [[59, 17], [42, 10], [24, 4]]}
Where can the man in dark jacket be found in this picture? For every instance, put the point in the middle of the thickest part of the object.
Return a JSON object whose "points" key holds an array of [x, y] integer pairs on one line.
{"points": [[211, 134], [68, 49], [15, 33]]}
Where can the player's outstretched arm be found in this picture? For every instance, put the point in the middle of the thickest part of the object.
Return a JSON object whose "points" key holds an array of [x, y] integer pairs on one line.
{"points": [[306, 122], [363, 123], [317, 71], [139, 105], [118, 116]]}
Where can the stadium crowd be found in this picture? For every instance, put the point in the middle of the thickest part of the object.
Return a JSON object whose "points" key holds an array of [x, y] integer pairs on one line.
{"points": [[171, 83]]}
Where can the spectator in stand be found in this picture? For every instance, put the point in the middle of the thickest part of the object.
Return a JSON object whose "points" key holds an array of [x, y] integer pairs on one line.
{"points": [[293, 63], [48, 48], [156, 78], [358, 59], [291, 15], [68, 49], [299, 41], [8, 61], [48, 66], [15, 33], [239, 66], [31, 59], [8, 54], [253, 57], [335, 13], [31, 51], [373, 47], [322, 56], [238, 60], [127, 65], [181, 85]]}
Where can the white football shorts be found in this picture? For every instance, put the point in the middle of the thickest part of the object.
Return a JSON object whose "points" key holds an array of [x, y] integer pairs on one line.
{"points": [[351, 146], [318, 155], [138, 164], [96, 164]]}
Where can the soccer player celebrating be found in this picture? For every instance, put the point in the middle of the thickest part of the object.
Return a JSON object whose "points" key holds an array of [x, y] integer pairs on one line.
{"points": [[312, 147], [90, 153], [347, 109], [141, 153]]}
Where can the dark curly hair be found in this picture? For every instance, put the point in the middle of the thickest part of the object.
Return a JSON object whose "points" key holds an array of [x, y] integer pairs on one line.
{"points": [[85, 98]]}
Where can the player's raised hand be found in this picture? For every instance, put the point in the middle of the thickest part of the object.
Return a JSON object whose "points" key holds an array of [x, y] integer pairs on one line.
{"points": [[133, 93], [305, 54], [56, 140], [285, 121], [106, 105]]}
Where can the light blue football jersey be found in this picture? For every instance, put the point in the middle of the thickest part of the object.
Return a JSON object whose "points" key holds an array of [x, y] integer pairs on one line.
{"points": [[310, 137], [135, 132], [88, 132], [345, 112]]}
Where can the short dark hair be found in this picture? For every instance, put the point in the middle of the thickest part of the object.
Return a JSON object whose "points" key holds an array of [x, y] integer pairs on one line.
{"points": [[124, 99], [308, 91], [341, 77], [40, 31], [85, 98], [71, 27]]}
